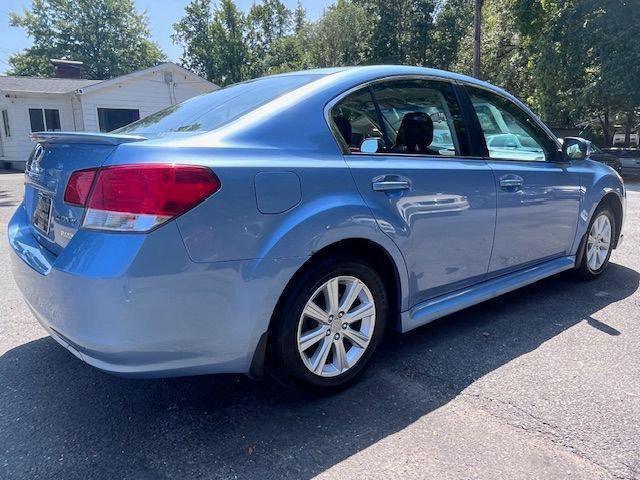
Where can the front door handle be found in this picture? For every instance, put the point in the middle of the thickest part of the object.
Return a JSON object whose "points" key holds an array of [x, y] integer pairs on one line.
{"points": [[511, 182]]}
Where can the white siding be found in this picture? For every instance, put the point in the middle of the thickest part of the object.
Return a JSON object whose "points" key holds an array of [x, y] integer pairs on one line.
{"points": [[148, 94], [18, 146]]}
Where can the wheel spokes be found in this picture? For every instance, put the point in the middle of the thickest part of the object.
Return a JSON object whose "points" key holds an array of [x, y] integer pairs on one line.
{"points": [[313, 311], [332, 295], [319, 359], [598, 242], [340, 356], [359, 339], [363, 311], [336, 326], [312, 337]]}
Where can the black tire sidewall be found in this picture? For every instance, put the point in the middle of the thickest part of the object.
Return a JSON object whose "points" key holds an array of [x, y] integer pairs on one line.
{"points": [[290, 367]]}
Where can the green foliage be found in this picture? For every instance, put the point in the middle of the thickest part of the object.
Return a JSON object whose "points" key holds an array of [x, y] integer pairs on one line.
{"points": [[269, 24], [400, 30], [109, 36], [505, 60], [213, 40], [341, 37], [573, 61], [587, 59], [452, 22]]}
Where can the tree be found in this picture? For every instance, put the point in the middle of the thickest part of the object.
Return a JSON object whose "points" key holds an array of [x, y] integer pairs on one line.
{"points": [[340, 37], [109, 36], [213, 38], [585, 61], [269, 23], [452, 22], [505, 56], [400, 30], [299, 18]]}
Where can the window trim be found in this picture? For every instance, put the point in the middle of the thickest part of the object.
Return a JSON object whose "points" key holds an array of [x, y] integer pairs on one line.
{"points": [[468, 88], [369, 84]]}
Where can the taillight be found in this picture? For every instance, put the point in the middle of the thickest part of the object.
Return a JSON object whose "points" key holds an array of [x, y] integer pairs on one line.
{"points": [[78, 187], [138, 198]]}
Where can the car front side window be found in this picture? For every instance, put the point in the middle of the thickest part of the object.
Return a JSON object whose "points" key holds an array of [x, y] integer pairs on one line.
{"points": [[509, 132]]}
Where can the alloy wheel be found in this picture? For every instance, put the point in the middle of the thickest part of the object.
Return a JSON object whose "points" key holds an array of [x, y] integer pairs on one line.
{"points": [[336, 326], [599, 242]]}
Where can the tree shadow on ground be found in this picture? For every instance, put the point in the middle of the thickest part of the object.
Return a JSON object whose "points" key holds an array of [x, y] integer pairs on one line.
{"points": [[62, 419]]}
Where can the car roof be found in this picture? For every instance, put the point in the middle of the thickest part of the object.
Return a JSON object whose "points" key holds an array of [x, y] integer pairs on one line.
{"points": [[372, 72]]}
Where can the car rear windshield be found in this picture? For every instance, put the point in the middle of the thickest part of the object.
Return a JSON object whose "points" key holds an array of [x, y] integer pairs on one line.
{"points": [[215, 109]]}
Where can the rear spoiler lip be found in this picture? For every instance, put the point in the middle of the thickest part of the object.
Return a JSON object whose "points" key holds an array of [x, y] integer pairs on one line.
{"points": [[93, 138]]}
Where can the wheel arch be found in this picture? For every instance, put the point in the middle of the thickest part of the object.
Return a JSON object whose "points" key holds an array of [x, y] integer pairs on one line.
{"points": [[613, 200], [389, 264]]}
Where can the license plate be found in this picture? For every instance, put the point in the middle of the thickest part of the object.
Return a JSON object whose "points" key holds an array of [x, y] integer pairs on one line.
{"points": [[42, 213]]}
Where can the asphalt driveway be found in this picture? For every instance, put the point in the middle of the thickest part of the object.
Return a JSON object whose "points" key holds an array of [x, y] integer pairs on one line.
{"points": [[541, 383]]}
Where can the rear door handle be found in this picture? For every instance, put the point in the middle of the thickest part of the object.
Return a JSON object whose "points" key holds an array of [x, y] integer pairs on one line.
{"points": [[390, 182], [387, 185]]}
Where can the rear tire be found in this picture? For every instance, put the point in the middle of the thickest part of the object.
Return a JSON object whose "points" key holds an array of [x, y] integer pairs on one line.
{"points": [[599, 244], [329, 326]]}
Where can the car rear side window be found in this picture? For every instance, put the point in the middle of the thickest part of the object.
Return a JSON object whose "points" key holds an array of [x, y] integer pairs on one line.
{"points": [[355, 119], [411, 117], [213, 110]]}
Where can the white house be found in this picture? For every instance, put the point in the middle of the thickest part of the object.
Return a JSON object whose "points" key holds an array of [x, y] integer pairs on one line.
{"points": [[30, 104]]}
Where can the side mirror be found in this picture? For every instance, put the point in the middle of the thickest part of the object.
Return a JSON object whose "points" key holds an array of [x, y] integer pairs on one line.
{"points": [[575, 148], [371, 145]]}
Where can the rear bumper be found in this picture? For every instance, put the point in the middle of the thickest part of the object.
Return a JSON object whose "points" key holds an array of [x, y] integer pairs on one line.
{"points": [[136, 305]]}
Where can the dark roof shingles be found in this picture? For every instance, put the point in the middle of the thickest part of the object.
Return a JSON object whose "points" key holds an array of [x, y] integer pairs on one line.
{"points": [[43, 85]]}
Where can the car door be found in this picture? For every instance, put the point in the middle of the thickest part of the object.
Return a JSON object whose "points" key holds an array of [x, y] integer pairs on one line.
{"points": [[426, 191], [538, 192]]}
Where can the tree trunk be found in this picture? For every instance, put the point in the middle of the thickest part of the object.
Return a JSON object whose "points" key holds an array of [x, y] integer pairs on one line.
{"points": [[606, 126], [477, 36]]}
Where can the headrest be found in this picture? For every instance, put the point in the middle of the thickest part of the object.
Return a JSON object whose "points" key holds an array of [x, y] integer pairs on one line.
{"points": [[415, 133]]}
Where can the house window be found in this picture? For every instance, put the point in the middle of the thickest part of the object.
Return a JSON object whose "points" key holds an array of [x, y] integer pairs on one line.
{"points": [[112, 118], [5, 123], [44, 120]]}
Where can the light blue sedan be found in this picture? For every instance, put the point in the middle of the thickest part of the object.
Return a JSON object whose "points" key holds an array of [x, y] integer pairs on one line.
{"points": [[283, 224]]}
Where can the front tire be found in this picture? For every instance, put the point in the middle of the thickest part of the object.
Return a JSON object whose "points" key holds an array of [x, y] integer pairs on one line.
{"points": [[330, 324], [599, 244]]}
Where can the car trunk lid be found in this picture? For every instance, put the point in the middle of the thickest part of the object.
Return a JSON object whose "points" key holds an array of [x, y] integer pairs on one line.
{"points": [[56, 156]]}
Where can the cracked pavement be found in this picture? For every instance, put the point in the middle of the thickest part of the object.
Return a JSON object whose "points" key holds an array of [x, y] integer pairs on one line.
{"points": [[541, 383]]}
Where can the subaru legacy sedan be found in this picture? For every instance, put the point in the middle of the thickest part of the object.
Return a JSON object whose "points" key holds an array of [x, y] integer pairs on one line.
{"points": [[284, 224]]}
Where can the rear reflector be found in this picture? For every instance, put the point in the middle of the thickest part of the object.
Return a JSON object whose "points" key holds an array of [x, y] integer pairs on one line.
{"points": [[140, 197], [78, 187]]}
